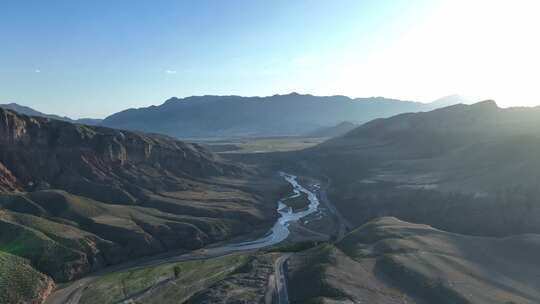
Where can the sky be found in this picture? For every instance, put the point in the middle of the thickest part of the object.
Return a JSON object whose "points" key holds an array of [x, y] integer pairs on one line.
{"points": [[94, 58]]}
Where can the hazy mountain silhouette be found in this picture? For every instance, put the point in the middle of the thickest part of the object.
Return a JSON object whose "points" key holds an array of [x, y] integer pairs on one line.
{"points": [[333, 131], [31, 112], [236, 116], [451, 100]]}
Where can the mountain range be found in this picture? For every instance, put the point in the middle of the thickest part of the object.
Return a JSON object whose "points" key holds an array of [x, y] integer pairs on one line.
{"points": [[279, 115], [236, 116], [31, 112]]}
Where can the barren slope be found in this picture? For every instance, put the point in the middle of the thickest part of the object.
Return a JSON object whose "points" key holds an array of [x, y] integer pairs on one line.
{"points": [[75, 198], [467, 168], [391, 261]]}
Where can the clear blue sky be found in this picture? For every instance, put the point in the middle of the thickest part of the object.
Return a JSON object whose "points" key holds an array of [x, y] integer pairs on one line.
{"points": [[92, 58]]}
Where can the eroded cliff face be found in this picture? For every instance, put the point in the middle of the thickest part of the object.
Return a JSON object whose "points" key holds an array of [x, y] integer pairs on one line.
{"points": [[8, 182], [75, 198], [102, 163]]}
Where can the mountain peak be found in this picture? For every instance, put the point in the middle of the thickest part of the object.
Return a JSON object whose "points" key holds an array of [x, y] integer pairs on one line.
{"points": [[486, 104], [31, 112], [21, 109], [451, 100], [172, 100]]}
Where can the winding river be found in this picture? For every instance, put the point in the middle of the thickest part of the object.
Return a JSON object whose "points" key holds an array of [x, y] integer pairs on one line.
{"points": [[280, 230], [72, 292]]}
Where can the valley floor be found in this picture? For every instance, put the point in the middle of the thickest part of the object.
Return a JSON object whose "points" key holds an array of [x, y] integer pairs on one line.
{"points": [[164, 277]]}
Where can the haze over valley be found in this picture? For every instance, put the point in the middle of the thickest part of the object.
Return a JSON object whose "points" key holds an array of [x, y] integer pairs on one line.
{"points": [[218, 117]]}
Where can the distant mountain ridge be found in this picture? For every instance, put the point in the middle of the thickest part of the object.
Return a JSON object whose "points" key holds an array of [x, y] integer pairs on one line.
{"points": [[213, 116], [31, 112], [278, 115]]}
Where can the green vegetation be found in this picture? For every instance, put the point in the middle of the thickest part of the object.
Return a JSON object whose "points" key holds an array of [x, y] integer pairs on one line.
{"points": [[66, 235], [176, 282], [19, 282], [47, 255], [177, 269], [243, 277]]}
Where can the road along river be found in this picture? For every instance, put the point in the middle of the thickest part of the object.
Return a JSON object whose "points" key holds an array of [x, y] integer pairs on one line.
{"points": [[71, 293]]}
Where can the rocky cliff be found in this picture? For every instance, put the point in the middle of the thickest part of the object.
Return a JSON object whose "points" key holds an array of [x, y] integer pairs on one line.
{"points": [[75, 198], [42, 153]]}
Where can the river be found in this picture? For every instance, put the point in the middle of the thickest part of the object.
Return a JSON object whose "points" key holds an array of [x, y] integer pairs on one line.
{"points": [[72, 292], [280, 230]]}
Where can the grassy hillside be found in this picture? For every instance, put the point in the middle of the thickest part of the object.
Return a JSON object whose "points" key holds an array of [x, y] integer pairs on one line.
{"points": [[72, 235], [20, 283], [75, 198], [391, 261], [240, 277]]}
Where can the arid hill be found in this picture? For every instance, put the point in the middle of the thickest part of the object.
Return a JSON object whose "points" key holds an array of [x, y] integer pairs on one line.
{"points": [[76, 198], [466, 168], [388, 261]]}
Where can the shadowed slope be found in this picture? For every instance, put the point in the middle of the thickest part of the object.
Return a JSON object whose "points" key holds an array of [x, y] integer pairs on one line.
{"points": [[391, 261], [469, 169], [75, 198]]}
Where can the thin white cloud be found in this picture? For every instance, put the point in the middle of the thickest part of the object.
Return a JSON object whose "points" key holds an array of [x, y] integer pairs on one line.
{"points": [[37, 71], [170, 71]]}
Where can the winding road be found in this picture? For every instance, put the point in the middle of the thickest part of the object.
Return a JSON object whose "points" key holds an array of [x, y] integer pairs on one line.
{"points": [[72, 292]]}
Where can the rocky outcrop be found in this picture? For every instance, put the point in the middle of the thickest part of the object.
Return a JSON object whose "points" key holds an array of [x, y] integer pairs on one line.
{"points": [[8, 182], [75, 198], [44, 293], [105, 164]]}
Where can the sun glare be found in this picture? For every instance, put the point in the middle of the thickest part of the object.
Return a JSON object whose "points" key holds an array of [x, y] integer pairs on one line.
{"points": [[480, 49]]}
